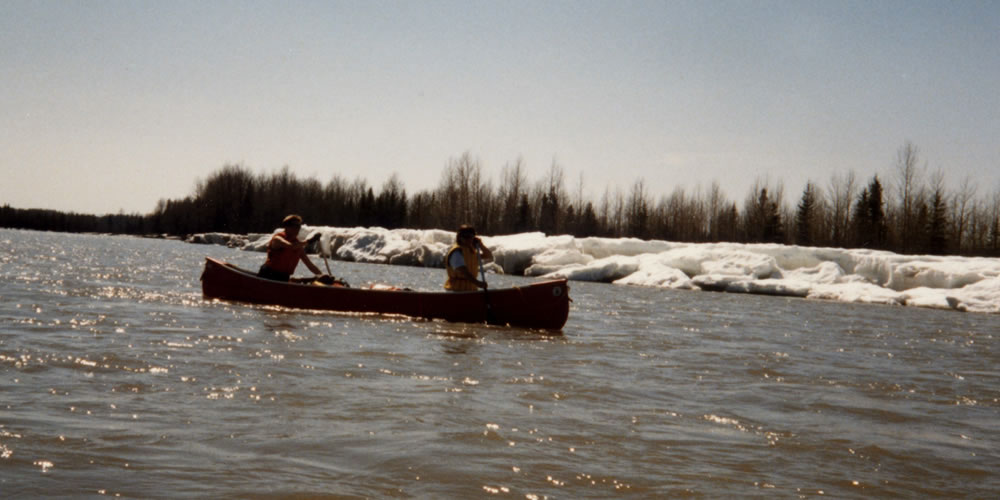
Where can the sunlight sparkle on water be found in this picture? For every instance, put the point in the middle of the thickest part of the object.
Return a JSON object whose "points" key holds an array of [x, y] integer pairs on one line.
{"points": [[362, 405]]}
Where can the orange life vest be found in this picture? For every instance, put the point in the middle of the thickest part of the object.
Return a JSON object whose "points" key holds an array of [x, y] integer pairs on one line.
{"points": [[456, 282], [283, 259]]}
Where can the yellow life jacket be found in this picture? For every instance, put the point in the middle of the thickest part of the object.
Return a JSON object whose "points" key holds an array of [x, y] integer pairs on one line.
{"points": [[455, 282]]}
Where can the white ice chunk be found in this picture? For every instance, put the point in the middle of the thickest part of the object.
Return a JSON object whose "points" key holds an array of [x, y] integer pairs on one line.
{"points": [[856, 292], [653, 271], [983, 296], [607, 270]]}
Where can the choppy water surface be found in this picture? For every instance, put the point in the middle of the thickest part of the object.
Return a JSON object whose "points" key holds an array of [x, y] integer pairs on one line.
{"points": [[118, 379]]}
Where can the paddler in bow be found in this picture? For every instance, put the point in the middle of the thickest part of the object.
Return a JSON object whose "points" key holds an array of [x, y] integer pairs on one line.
{"points": [[463, 260], [284, 252]]}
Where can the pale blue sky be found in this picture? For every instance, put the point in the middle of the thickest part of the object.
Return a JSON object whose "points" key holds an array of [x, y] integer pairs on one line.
{"points": [[108, 105]]}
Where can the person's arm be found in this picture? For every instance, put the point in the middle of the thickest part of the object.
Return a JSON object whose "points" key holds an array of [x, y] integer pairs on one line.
{"points": [[305, 258], [466, 274], [463, 270], [487, 254], [279, 242], [312, 267]]}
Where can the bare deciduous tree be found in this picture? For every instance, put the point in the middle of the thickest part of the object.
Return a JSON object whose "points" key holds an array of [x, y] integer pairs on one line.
{"points": [[841, 192], [908, 192], [960, 209]]}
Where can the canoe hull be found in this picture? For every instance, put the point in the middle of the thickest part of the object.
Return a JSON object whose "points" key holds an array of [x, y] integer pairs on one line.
{"points": [[542, 305]]}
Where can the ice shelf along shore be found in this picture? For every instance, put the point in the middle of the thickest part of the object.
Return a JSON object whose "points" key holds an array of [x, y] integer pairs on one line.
{"points": [[847, 275]]}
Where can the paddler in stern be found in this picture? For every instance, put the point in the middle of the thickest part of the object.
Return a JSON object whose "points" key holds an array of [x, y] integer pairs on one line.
{"points": [[285, 250], [463, 259]]}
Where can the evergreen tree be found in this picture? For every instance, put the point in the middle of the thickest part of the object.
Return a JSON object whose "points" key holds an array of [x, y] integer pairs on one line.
{"points": [[869, 217], [571, 222], [805, 217], [774, 230], [589, 225], [524, 222], [763, 219], [937, 225], [548, 216], [366, 208]]}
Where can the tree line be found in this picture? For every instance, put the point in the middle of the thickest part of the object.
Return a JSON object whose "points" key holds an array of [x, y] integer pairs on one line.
{"points": [[910, 211], [71, 222]]}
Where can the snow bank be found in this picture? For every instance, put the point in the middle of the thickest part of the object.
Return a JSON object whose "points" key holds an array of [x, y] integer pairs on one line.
{"points": [[373, 245], [846, 275], [229, 240]]}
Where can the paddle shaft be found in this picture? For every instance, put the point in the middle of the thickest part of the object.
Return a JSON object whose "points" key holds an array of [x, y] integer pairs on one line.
{"points": [[486, 292], [325, 262]]}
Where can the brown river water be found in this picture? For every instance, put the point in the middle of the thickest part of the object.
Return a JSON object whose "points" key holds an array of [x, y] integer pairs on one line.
{"points": [[118, 380]]}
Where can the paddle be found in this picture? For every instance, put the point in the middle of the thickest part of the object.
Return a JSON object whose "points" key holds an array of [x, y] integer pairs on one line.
{"points": [[331, 280], [327, 263], [486, 293]]}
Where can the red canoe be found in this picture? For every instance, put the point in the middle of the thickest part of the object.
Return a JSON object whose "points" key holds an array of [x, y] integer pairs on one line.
{"points": [[538, 305]]}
